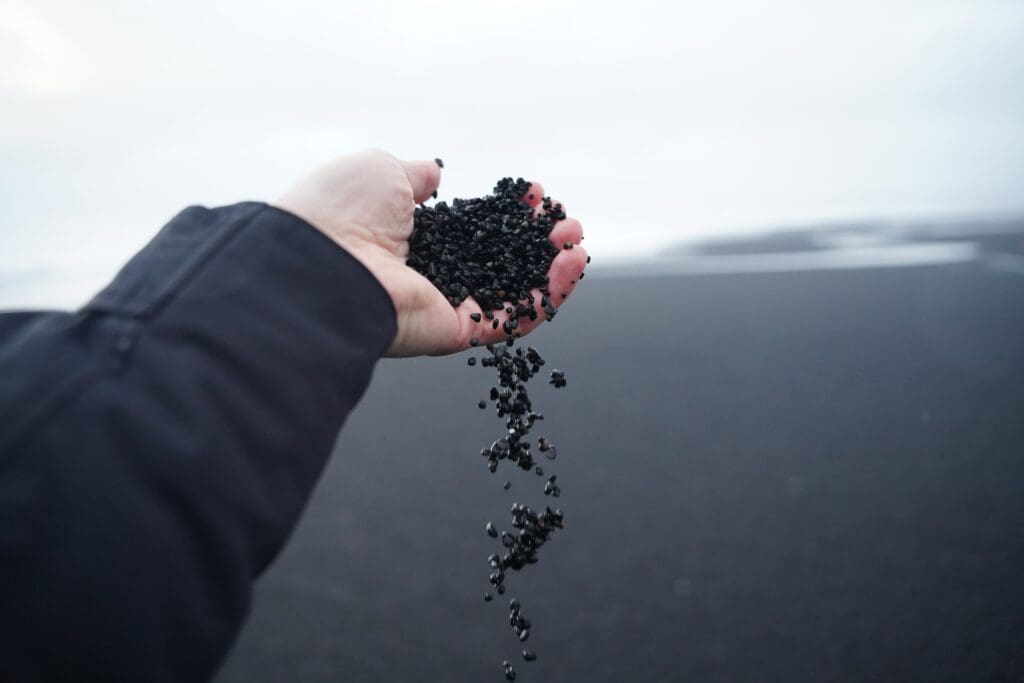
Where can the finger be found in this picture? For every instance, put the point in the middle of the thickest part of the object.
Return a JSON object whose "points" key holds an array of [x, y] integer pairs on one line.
{"points": [[565, 273], [535, 194], [540, 210], [567, 230], [424, 177]]}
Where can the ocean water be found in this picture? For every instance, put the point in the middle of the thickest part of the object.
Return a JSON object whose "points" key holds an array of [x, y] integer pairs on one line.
{"points": [[68, 283]]}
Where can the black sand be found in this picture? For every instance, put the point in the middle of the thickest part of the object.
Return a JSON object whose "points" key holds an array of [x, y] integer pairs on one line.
{"points": [[814, 477]]}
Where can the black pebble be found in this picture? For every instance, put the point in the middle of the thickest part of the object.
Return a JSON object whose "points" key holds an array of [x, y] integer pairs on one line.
{"points": [[482, 405], [475, 317], [529, 656], [488, 597], [491, 530], [471, 361], [440, 164]]}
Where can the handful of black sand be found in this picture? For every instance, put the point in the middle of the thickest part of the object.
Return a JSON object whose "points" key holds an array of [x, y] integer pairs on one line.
{"points": [[496, 249]]}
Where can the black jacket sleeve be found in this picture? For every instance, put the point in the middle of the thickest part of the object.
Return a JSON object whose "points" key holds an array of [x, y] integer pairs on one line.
{"points": [[158, 446]]}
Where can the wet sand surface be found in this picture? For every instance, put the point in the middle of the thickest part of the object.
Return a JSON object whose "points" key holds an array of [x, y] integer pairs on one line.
{"points": [[775, 477]]}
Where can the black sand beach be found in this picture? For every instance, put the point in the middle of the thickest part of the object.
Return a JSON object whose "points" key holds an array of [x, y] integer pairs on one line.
{"points": [[766, 477]]}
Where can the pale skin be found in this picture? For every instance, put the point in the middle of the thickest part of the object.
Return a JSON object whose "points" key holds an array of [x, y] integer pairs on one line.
{"points": [[365, 203]]}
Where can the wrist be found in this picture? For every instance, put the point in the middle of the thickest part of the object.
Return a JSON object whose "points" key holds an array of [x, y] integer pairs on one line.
{"points": [[364, 253]]}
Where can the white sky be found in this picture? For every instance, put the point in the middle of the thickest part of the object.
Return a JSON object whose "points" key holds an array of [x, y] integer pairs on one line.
{"points": [[653, 121]]}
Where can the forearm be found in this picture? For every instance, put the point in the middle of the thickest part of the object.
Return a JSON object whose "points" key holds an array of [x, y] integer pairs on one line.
{"points": [[146, 495]]}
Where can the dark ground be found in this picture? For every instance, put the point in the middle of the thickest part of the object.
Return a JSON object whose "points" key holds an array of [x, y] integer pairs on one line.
{"points": [[785, 477]]}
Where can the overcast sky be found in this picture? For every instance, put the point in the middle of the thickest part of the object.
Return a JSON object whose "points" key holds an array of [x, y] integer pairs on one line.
{"points": [[653, 121]]}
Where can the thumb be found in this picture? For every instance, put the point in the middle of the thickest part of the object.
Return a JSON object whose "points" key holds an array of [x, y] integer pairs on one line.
{"points": [[424, 177]]}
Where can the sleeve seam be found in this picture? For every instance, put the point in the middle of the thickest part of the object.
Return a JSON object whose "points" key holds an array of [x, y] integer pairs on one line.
{"points": [[194, 265]]}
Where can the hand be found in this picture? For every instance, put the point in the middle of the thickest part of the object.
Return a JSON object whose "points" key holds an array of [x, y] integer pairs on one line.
{"points": [[365, 203]]}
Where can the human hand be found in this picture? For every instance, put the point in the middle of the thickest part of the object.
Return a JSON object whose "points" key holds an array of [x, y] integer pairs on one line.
{"points": [[365, 203]]}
